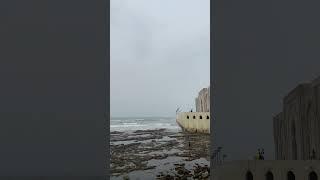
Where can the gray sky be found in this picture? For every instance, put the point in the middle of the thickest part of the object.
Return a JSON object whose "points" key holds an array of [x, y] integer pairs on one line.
{"points": [[160, 55]]}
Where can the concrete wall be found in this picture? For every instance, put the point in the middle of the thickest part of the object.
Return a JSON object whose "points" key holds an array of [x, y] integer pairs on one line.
{"points": [[203, 100], [260, 168], [191, 122], [297, 127]]}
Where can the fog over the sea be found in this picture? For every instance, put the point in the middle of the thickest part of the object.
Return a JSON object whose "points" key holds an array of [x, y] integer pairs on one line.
{"points": [[160, 55]]}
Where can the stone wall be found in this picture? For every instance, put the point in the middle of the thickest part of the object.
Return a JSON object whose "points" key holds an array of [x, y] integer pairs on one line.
{"points": [[198, 121], [194, 121], [203, 100], [297, 127], [259, 169]]}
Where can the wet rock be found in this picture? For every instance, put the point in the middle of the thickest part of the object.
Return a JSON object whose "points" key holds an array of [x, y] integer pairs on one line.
{"points": [[161, 156], [126, 177], [116, 174], [149, 167], [116, 132], [134, 155], [132, 165], [205, 174]]}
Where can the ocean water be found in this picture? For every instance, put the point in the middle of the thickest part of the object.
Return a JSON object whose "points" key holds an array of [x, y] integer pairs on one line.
{"points": [[124, 124]]}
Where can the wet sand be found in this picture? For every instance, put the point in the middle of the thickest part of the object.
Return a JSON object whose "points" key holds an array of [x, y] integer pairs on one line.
{"points": [[159, 154]]}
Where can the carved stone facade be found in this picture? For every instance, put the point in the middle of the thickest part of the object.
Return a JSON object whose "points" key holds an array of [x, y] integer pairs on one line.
{"points": [[203, 100], [297, 128]]}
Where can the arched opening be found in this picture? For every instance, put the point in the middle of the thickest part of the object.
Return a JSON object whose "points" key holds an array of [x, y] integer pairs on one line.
{"points": [[200, 117], [207, 117], [313, 176], [290, 176], [269, 176], [194, 117], [187, 117], [249, 176]]}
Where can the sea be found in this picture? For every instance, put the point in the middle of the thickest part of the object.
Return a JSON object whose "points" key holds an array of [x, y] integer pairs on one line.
{"points": [[125, 124]]}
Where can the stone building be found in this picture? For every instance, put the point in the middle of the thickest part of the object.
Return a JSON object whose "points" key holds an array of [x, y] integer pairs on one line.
{"points": [[267, 170], [194, 122], [297, 128], [203, 100], [198, 121]]}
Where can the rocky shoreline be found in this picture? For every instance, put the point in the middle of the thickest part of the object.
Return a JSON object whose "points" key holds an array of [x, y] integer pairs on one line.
{"points": [[159, 154], [180, 172]]}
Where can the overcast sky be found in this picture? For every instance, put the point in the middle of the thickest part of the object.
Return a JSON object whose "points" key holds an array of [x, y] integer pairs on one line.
{"points": [[160, 55]]}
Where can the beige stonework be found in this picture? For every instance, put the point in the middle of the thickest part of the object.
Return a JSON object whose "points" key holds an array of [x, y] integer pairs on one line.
{"points": [[195, 122], [297, 128], [198, 121], [203, 100]]}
